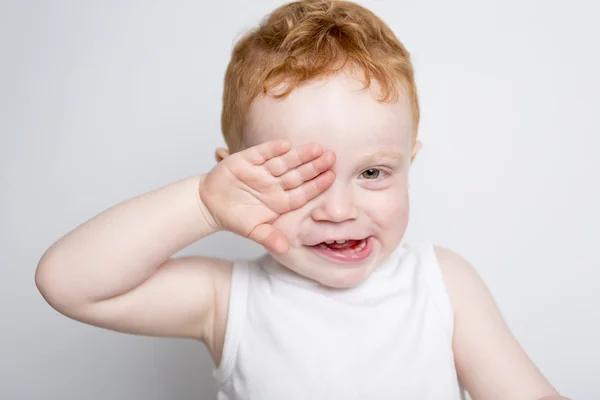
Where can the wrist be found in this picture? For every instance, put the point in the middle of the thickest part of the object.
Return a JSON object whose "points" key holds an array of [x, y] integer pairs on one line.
{"points": [[205, 213]]}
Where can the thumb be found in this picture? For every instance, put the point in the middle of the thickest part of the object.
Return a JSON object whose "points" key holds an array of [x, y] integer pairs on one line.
{"points": [[274, 240]]}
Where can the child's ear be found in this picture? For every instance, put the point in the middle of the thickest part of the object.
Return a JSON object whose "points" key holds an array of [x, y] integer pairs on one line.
{"points": [[416, 149], [221, 153]]}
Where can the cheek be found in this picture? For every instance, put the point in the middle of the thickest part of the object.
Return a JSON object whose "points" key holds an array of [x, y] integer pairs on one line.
{"points": [[388, 208], [391, 218]]}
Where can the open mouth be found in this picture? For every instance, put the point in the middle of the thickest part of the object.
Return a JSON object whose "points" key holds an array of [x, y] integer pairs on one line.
{"points": [[348, 246], [348, 250]]}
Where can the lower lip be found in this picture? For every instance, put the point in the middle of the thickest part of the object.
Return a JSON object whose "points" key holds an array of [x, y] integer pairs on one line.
{"points": [[346, 257]]}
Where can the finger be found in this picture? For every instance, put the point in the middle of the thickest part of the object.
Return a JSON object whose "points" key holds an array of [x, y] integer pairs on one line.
{"points": [[259, 154], [308, 171], [301, 195], [266, 235], [293, 158]]}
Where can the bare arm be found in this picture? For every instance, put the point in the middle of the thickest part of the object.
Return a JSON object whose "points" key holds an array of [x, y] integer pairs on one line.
{"points": [[115, 269], [489, 360]]}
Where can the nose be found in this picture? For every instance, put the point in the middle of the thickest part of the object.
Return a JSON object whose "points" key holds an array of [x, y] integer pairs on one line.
{"points": [[336, 204]]}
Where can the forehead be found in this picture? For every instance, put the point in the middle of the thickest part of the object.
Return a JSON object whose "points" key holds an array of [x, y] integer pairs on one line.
{"points": [[336, 112]]}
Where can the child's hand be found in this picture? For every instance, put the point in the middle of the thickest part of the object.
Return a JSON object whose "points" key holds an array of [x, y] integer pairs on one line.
{"points": [[248, 190]]}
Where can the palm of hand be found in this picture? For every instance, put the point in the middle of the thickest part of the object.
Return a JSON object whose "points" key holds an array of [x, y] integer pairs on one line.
{"points": [[250, 189]]}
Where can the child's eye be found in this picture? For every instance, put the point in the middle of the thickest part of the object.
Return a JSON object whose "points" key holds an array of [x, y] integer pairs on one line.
{"points": [[372, 173]]}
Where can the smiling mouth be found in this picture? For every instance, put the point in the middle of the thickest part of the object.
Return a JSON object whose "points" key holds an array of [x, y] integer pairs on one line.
{"points": [[349, 250], [347, 246]]}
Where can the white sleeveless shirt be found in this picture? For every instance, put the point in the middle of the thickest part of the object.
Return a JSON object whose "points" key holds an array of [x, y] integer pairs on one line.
{"points": [[390, 337]]}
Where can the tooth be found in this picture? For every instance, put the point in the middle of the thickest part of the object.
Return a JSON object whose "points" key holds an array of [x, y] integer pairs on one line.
{"points": [[322, 246], [329, 241], [340, 241]]}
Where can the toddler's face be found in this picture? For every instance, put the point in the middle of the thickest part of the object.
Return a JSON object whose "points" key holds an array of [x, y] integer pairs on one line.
{"points": [[367, 205]]}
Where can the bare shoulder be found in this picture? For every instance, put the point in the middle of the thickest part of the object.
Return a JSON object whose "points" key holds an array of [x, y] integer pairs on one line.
{"points": [[216, 275], [463, 283], [461, 278], [489, 360], [222, 289], [452, 263]]}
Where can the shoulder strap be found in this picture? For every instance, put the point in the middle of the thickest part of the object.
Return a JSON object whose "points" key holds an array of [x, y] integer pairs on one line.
{"points": [[236, 316], [434, 280]]}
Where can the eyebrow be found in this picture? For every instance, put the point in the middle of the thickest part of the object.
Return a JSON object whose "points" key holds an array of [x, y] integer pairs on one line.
{"points": [[384, 154]]}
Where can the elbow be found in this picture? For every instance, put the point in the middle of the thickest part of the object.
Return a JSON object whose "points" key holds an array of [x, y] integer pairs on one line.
{"points": [[47, 285], [54, 287]]}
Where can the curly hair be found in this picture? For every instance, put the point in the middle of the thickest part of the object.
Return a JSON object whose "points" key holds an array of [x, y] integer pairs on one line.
{"points": [[307, 39]]}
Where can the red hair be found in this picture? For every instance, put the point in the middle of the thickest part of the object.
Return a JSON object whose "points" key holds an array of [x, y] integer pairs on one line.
{"points": [[308, 39]]}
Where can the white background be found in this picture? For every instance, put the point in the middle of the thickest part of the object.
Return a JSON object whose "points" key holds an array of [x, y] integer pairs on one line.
{"points": [[104, 100]]}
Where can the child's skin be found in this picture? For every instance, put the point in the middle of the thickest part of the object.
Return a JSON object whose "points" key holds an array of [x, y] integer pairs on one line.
{"points": [[328, 162]]}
